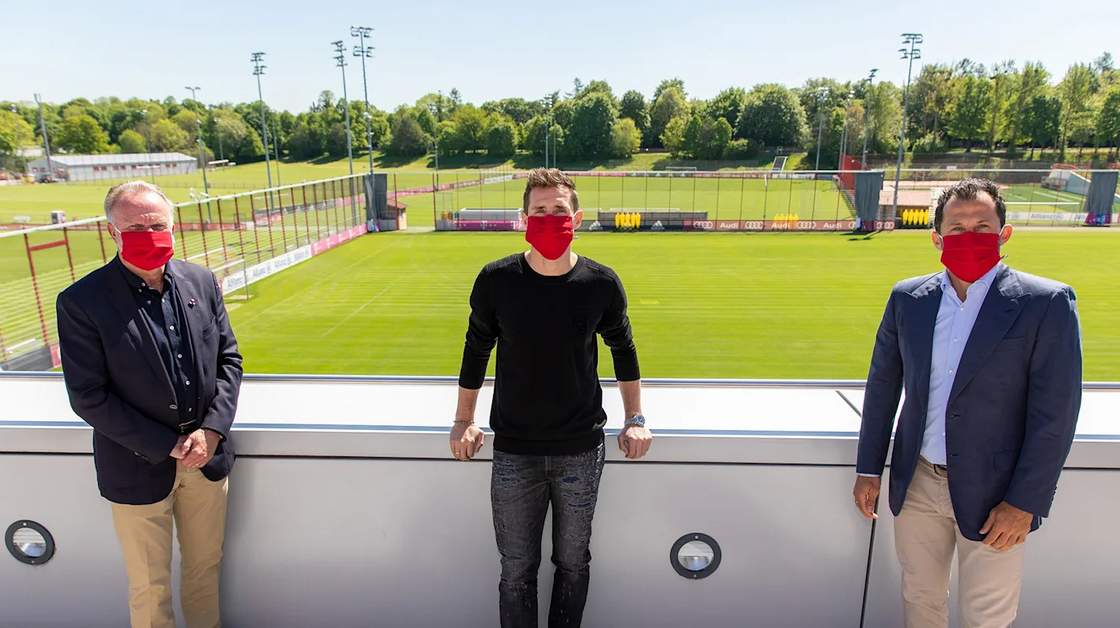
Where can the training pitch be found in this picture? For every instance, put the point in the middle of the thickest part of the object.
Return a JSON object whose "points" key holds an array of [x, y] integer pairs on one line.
{"points": [[707, 305]]}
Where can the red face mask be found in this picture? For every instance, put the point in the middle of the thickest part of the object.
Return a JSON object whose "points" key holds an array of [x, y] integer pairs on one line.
{"points": [[550, 235], [147, 250], [970, 255]]}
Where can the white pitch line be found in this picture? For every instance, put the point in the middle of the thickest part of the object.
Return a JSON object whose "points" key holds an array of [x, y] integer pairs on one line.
{"points": [[198, 255]]}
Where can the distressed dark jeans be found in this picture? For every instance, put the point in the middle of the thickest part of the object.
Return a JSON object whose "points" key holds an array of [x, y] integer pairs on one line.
{"points": [[521, 489]]}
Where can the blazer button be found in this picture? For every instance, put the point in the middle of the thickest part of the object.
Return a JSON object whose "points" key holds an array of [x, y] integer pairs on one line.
{"points": [[172, 407]]}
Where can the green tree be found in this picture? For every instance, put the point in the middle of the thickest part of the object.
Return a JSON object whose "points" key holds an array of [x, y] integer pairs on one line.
{"points": [[186, 121], [407, 138], [132, 142], [675, 83], [501, 138], [15, 132], [593, 120], [1108, 118], [884, 103], [1042, 121], [82, 134], [727, 105], [969, 110], [470, 128], [930, 96], [166, 136], [706, 138], [634, 107], [673, 136], [772, 116], [1075, 92], [517, 109], [1027, 84], [599, 87], [669, 105], [535, 133], [625, 138], [1003, 75]]}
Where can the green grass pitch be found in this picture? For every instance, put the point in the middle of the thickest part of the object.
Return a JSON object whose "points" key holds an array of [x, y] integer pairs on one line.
{"points": [[716, 305]]}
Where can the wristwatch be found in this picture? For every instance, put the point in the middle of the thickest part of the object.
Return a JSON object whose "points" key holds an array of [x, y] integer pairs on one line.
{"points": [[636, 420]]}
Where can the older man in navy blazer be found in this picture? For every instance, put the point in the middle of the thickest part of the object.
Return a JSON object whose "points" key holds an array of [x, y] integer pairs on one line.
{"points": [[151, 363], [990, 359]]}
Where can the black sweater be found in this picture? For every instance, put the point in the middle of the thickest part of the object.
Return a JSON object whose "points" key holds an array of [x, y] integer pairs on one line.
{"points": [[547, 398]]}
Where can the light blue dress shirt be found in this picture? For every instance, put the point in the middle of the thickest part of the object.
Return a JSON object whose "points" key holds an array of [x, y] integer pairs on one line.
{"points": [[955, 320]]}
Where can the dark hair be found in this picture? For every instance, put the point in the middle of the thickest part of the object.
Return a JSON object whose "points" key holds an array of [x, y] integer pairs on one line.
{"points": [[549, 178], [968, 190]]}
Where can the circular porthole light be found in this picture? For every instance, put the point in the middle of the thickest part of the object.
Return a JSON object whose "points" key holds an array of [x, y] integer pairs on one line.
{"points": [[29, 542], [695, 556]]}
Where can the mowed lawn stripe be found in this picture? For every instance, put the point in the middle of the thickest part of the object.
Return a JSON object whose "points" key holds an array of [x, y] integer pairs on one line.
{"points": [[702, 305]]}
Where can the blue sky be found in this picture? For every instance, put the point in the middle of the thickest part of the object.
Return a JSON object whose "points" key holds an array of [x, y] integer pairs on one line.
{"points": [[499, 48]]}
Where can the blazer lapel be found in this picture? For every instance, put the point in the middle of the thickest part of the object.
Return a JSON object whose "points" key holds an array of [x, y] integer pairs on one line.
{"points": [[125, 304], [921, 320], [999, 311]]}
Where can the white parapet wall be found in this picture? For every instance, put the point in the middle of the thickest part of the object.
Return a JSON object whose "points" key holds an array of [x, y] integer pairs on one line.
{"points": [[347, 509]]}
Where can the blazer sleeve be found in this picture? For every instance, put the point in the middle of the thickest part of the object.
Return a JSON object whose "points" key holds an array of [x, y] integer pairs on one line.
{"points": [[219, 416], [85, 371], [1053, 403], [884, 389]]}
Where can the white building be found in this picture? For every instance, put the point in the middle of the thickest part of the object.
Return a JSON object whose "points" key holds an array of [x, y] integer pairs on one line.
{"points": [[121, 166]]}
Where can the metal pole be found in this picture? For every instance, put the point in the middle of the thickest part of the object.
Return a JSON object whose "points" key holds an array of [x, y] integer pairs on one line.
{"points": [[341, 59], [201, 156], [276, 147], [258, 70], [361, 32], [913, 39], [218, 129], [823, 91], [46, 140], [867, 115]]}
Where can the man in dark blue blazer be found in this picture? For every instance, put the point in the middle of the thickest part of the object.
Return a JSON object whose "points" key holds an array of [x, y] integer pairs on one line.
{"points": [[151, 363], [990, 359]]}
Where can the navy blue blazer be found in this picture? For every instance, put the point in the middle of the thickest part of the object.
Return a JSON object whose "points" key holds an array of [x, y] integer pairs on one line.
{"points": [[118, 383], [1013, 406]]}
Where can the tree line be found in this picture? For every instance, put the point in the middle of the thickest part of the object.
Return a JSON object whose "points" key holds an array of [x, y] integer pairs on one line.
{"points": [[959, 105]]}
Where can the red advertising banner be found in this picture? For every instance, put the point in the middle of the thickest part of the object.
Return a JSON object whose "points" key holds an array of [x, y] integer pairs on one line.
{"points": [[780, 225]]}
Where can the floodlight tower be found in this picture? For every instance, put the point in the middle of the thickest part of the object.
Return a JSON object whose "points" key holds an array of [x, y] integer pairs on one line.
{"points": [[258, 70], [46, 140], [341, 62], [913, 39], [844, 133], [867, 115], [822, 94], [198, 131], [365, 52], [436, 109]]}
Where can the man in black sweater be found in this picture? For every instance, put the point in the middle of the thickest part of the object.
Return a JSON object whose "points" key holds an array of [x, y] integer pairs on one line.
{"points": [[543, 309]]}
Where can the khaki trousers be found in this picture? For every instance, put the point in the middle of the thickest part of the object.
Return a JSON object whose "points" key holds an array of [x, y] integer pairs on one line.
{"points": [[198, 508], [925, 535]]}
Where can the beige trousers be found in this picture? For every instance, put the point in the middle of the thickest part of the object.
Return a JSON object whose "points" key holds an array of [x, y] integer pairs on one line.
{"points": [[197, 507], [925, 535]]}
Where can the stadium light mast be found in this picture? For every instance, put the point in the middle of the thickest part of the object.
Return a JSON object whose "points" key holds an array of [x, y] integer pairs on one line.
{"points": [[913, 39], [148, 143], [844, 133], [436, 109], [867, 115], [822, 94], [258, 70], [365, 52], [218, 130], [198, 131], [341, 62], [46, 140]]}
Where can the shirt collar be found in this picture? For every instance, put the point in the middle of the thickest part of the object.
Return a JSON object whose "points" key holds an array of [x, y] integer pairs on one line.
{"points": [[135, 282], [982, 284]]}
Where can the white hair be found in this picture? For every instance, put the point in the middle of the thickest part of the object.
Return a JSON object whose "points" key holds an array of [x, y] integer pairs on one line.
{"points": [[133, 188]]}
